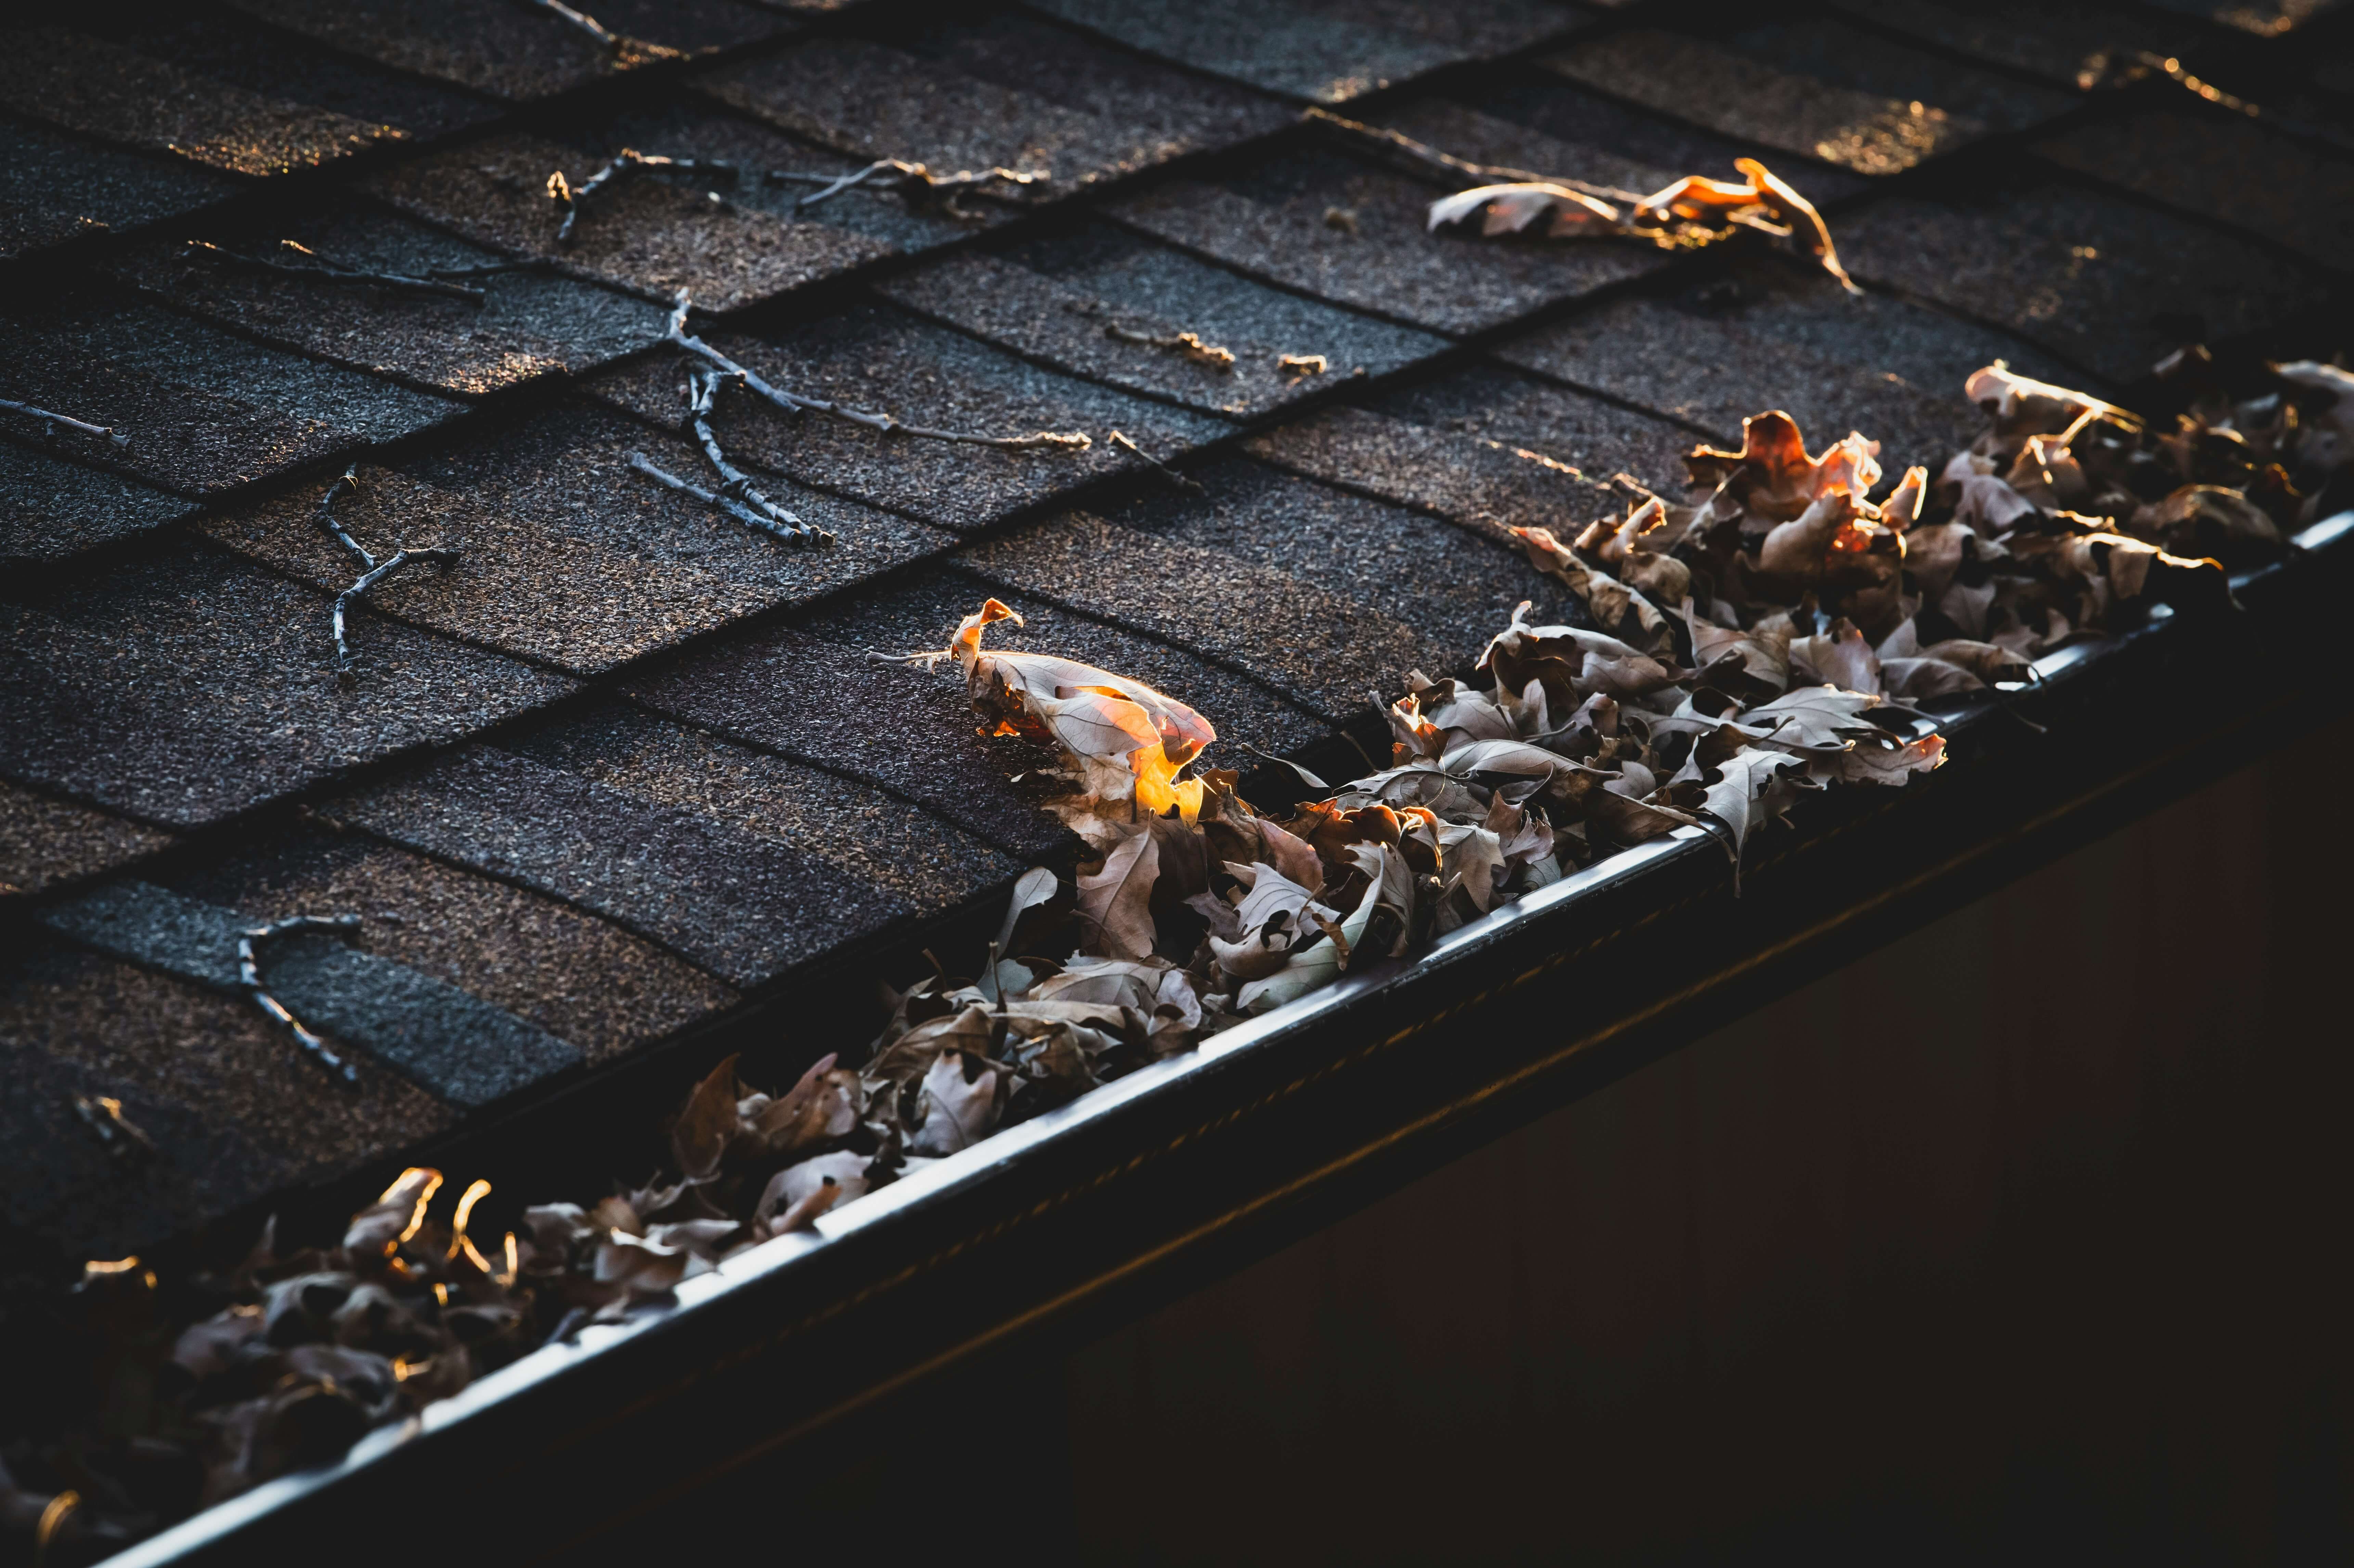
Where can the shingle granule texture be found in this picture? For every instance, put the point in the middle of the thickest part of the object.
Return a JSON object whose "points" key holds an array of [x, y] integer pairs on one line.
{"points": [[527, 324], [47, 843], [204, 411], [579, 977], [850, 825], [570, 556], [2232, 171], [515, 51], [2102, 281], [189, 686], [234, 1109], [886, 361], [1323, 50], [50, 509], [1349, 230], [1059, 301], [105, 90], [55, 187], [1772, 335], [1817, 87], [744, 906], [452, 1046], [1321, 594], [651, 233]]}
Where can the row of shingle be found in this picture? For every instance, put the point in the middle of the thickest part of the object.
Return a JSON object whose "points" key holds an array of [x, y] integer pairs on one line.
{"points": [[753, 810]]}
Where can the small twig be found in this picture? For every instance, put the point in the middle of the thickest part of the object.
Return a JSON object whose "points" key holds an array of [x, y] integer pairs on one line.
{"points": [[702, 384], [917, 183], [248, 973], [102, 1114], [1303, 365], [580, 19], [1188, 344], [794, 402], [628, 160], [486, 269], [318, 266], [807, 534], [1181, 480], [1449, 164], [372, 571], [67, 420]]}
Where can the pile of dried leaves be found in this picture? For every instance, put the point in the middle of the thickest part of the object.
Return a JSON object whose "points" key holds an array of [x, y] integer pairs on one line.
{"points": [[1765, 638]]}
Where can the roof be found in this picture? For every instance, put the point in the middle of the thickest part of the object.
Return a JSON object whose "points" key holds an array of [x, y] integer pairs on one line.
{"points": [[625, 766]]}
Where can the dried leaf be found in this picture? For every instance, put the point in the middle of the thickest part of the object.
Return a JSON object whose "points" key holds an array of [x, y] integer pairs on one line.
{"points": [[1114, 899]]}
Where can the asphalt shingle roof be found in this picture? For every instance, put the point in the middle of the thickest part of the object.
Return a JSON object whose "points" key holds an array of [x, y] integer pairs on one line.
{"points": [[626, 760]]}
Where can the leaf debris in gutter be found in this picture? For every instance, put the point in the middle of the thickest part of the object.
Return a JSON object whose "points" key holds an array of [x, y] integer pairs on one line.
{"points": [[1763, 639]]}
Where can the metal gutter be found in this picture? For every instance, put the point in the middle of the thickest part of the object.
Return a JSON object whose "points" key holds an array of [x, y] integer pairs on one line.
{"points": [[1187, 1167]]}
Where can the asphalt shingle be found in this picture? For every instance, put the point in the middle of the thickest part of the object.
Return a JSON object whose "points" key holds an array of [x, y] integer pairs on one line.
{"points": [[55, 189], [2076, 46], [47, 843], [886, 361], [189, 685], [518, 51], [870, 838], [116, 94], [1350, 231], [569, 557], [1325, 51], [50, 510], [1323, 595], [1436, 452], [745, 905], [236, 1117], [526, 324], [453, 1046], [202, 411], [2230, 169], [2105, 283], [811, 692], [650, 232], [1777, 334], [579, 977], [1818, 87], [1060, 299]]}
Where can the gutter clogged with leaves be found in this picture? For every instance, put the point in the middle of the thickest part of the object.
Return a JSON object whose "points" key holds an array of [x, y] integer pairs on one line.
{"points": [[1777, 635]]}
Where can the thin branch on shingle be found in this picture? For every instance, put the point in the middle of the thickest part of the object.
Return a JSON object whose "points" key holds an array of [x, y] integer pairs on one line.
{"points": [[795, 402], [372, 571], [314, 265], [702, 384], [1181, 480], [1302, 363], [486, 270], [102, 1114], [628, 160], [1450, 166], [580, 19], [737, 496], [913, 182], [1188, 344], [248, 974], [799, 533], [51, 418]]}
